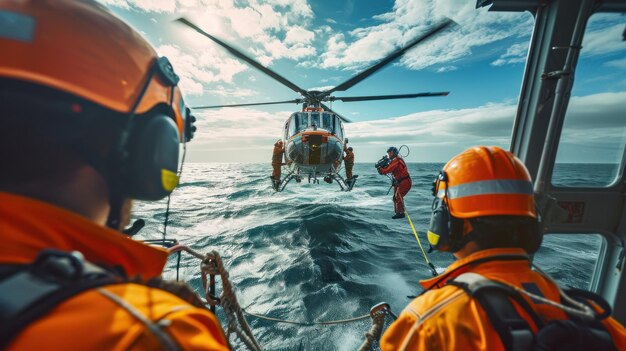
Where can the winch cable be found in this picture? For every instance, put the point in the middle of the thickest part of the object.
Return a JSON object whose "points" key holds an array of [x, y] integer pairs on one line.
{"points": [[431, 266], [212, 265]]}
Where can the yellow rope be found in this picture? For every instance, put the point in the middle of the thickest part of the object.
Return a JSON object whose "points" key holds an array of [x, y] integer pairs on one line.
{"points": [[430, 265]]}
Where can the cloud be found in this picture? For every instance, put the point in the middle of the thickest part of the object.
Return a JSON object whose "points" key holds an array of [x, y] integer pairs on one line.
{"points": [[144, 5], [197, 70], [514, 54], [447, 69], [298, 35], [604, 40], [604, 110], [242, 127], [593, 121], [270, 30], [621, 64], [410, 18]]}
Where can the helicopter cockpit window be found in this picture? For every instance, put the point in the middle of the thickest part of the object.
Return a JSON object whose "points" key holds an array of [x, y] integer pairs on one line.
{"points": [[302, 121], [315, 119], [292, 124], [591, 150], [338, 131], [327, 122]]}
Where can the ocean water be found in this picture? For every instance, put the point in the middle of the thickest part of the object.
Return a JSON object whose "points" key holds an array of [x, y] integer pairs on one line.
{"points": [[314, 253]]}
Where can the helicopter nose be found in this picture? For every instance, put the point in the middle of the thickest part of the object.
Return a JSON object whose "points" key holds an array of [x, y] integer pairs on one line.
{"points": [[314, 148]]}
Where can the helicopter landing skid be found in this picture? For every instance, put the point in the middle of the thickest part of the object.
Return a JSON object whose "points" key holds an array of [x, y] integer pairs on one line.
{"points": [[345, 185], [280, 185]]}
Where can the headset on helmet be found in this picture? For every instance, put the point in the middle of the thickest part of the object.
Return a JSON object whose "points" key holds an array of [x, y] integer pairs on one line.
{"points": [[119, 72], [479, 182]]}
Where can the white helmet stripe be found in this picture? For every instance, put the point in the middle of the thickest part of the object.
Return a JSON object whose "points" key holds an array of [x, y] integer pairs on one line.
{"points": [[488, 187]]}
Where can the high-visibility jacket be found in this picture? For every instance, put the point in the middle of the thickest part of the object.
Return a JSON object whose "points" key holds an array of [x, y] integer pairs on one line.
{"points": [[446, 318], [92, 320]]}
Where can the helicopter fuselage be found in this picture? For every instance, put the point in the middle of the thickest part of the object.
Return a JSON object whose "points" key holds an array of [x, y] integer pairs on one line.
{"points": [[314, 142]]}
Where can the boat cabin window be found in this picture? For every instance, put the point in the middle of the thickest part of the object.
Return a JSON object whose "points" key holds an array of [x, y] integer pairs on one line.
{"points": [[576, 256], [315, 119], [593, 139]]}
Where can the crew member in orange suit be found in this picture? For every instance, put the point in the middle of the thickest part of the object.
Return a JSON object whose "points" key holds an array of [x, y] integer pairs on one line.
{"points": [[401, 180], [91, 117], [277, 159], [484, 213], [348, 160]]}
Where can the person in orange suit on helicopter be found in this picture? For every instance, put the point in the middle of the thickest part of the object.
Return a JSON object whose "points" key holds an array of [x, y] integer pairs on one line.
{"points": [[401, 180], [277, 159], [348, 161]]}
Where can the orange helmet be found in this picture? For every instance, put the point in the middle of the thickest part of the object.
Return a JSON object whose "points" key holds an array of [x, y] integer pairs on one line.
{"points": [[479, 182], [80, 48], [487, 181]]}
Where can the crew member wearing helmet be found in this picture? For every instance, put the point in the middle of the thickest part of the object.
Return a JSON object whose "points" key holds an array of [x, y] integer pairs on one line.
{"points": [[401, 180], [348, 160], [484, 213], [91, 117], [277, 159]]}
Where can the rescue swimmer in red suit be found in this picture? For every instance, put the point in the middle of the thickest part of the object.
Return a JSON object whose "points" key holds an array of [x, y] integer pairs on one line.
{"points": [[401, 180]]}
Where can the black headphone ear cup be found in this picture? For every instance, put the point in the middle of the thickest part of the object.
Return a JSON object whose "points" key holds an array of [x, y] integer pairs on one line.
{"points": [[439, 228], [153, 158]]}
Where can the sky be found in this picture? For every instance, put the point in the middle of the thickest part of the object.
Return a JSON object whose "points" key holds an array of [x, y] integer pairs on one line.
{"points": [[321, 43]]}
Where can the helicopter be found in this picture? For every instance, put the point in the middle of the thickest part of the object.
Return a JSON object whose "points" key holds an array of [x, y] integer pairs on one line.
{"points": [[314, 138]]}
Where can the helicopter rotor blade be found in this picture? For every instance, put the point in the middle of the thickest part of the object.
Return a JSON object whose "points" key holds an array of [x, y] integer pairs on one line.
{"points": [[296, 101], [342, 118], [382, 63], [386, 97], [245, 58]]}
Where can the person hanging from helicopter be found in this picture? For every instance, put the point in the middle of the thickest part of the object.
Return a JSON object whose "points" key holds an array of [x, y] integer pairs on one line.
{"points": [[348, 160], [490, 298], [401, 180], [84, 130], [277, 162]]}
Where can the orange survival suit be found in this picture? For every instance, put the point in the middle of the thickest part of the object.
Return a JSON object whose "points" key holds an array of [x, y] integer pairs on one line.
{"points": [[129, 315], [277, 159], [445, 317], [349, 162], [401, 182]]}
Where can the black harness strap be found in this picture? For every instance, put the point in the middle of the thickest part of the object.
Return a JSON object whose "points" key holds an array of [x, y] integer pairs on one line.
{"points": [[514, 331], [33, 290]]}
